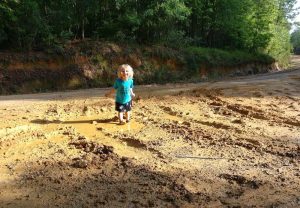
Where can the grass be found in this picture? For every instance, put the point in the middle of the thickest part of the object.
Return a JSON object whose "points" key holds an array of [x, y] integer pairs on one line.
{"points": [[210, 57]]}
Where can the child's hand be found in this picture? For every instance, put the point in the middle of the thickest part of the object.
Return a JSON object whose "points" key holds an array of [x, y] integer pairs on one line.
{"points": [[110, 93]]}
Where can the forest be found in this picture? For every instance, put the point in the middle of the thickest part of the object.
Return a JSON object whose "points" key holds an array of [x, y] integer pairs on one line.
{"points": [[254, 26]]}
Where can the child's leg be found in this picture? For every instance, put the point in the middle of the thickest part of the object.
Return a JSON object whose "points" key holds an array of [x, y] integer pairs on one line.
{"points": [[120, 115], [127, 114]]}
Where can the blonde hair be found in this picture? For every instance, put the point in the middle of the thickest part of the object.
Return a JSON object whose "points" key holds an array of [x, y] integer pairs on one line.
{"points": [[125, 66]]}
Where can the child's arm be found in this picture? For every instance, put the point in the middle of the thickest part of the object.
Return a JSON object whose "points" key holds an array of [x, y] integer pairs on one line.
{"points": [[131, 93], [109, 93]]}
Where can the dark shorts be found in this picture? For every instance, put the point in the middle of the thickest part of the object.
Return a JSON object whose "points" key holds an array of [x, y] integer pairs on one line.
{"points": [[123, 107]]}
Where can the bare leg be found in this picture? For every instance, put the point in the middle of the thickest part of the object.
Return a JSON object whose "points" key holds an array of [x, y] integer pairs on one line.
{"points": [[127, 114], [120, 115]]}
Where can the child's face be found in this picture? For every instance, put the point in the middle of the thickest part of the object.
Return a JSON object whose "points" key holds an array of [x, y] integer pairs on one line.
{"points": [[124, 73]]}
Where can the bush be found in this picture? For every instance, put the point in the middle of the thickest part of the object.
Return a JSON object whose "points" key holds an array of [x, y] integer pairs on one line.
{"points": [[210, 57]]}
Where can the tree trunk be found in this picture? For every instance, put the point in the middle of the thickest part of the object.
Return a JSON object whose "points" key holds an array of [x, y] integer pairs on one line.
{"points": [[82, 30]]}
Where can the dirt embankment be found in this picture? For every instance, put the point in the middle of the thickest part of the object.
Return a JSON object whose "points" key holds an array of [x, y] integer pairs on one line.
{"points": [[234, 143], [92, 64]]}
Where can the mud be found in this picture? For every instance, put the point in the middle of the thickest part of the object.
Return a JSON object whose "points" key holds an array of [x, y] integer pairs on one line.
{"points": [[233, 143]]}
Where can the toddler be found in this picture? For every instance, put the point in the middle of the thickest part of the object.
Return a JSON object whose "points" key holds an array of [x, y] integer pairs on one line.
{"points": [[123, 88]]}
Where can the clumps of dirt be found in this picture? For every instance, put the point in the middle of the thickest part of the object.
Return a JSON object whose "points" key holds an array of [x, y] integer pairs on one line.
{"points": [[225, 108], [99, 152], [191, 134], [69, 131], [290, 151], [92, 147], [169, 110], [136, 179], [241, 180], [206, 93], [133, 142]]}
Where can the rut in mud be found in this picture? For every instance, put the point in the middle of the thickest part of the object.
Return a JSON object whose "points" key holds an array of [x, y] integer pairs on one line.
{"points": [[232, 143]]}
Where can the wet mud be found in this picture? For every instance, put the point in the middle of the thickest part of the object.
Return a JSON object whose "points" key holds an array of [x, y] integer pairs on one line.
{"points": [[233, 143]]}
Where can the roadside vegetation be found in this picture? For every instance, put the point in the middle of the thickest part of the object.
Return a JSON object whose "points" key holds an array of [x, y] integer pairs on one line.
{"points": [[295, 40], [190, 36], [249, 25]]}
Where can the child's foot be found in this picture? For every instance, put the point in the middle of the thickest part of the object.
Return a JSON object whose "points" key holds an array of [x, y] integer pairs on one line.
{"points": [[122, 122], [127, 120]]}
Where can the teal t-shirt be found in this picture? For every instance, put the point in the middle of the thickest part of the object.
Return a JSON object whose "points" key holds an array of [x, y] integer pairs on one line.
{"points": [[123, 90]]}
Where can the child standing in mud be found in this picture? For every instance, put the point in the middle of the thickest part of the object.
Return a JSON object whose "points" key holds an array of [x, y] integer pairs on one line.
{"points": [[123, 87]]}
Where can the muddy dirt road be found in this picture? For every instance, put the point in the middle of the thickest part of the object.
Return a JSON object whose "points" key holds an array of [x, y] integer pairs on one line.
{"points": [[233, 143]]}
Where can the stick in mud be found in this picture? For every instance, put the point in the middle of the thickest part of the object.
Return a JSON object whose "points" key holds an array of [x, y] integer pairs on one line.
{"points": [[201, 158]]}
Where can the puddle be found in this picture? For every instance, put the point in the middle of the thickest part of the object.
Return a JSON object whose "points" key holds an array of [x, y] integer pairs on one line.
{"points": [[94, 127]]}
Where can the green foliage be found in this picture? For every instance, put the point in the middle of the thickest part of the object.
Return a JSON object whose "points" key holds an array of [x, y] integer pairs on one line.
{"points": [[29, 24], [176, 39], [247, 25], [279, 46], [163, 53], [295, 38], [210, 57], [150, 73], [7, 18]]}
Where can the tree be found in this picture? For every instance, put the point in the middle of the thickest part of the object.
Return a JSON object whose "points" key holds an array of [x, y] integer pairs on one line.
{"points": [[295, 40], [250, 25], [7, 18], [29, 24]]}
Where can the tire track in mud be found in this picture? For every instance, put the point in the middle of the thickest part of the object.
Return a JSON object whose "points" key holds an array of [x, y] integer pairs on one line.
{"points": [[213, 124], [211, 98], [287, 150], [180, 131], [250, 111], [186, 131], [118, 175], [253, 112], [122, 173], [11, 136], [202, 136], [204, 139]]}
